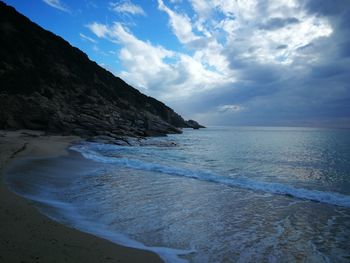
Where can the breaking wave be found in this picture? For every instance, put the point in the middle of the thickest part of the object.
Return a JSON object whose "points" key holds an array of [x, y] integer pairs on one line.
{"points": [[275, 188]]}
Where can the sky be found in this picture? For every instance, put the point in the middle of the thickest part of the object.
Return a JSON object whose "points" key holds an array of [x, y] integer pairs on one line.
{"points": [[220, 62]]}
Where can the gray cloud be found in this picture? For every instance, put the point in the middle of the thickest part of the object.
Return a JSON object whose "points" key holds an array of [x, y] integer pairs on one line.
{"points": [[283, 46], [326, 7], [277, 22], [288, 66], [313, 90]]}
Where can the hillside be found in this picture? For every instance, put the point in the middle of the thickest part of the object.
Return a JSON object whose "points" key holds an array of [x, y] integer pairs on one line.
{"points": [[47, 84]]}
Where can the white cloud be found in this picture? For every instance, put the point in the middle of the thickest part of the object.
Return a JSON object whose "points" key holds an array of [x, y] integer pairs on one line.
{"points": [[180, 24], [226, 47], [207, 50], [229, 108], [82, 36], [212, 56], [289, 26], [137, 57], [192, 78], [203, 8], [90, 4], [127, 7], [293, 37], [241, 22], [100, 30], [57, 4], [147, 66]]}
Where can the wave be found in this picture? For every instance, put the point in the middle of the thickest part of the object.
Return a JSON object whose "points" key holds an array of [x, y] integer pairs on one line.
{"points": [[245, 183], [66, 213]]}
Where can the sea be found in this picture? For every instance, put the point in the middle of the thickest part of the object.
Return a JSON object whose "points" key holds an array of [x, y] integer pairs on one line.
{"points": [[220, 194]]}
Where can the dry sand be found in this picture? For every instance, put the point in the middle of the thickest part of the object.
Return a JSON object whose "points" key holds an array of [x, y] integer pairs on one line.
{"points": [[28, 236]]}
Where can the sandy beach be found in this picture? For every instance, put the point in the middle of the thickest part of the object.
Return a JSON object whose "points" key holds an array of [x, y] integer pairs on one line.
{"points": [[28, 236]]}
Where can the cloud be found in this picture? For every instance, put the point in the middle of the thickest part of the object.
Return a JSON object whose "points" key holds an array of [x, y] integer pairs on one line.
{"points": [[207, 50], [180, 24], [278, 53], [229, 108], [90, 4], [175, 1], [277, 23], [253, 62], [57, 4], [127, 7], [183, 76], [82, 36], [100, 30]]}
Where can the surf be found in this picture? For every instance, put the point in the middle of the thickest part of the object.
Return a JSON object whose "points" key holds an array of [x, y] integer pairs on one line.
{"points": [[92, 151]]}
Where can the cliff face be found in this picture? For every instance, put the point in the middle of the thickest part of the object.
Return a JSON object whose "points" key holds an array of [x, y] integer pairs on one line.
{"points": [[47, 84]]}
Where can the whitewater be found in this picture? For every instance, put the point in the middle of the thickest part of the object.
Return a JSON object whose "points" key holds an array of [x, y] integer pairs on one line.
{"points": [[222, 194]]}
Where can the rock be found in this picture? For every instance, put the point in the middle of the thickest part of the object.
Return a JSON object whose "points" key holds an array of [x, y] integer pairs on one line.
{"points": [[193, 124], [109, 140], [46, 84]]}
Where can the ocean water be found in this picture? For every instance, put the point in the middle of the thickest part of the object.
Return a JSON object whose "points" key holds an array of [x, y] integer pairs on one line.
{"points": [[221, 194]]}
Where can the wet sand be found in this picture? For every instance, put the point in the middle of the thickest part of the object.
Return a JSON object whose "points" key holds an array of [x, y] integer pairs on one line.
{"points": [[28, 236]]}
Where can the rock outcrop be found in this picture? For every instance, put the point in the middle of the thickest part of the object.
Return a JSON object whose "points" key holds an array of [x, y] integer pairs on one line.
{"points": [[193, 124], [47, 84]]}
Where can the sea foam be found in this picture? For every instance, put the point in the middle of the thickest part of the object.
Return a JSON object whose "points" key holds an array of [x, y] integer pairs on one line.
{"points": [[66, 212], [92, 152]]}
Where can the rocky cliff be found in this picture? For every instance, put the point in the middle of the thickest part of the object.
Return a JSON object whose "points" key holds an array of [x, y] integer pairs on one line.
{"points": [[47, 84]]}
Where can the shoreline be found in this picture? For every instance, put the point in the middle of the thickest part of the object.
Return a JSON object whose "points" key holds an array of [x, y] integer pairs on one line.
{"points": [[29, 236]]}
